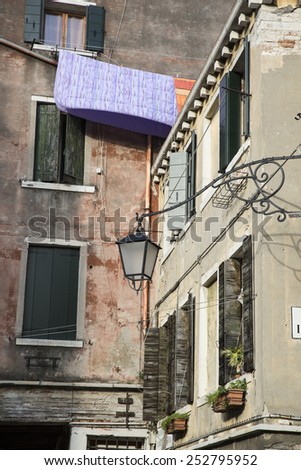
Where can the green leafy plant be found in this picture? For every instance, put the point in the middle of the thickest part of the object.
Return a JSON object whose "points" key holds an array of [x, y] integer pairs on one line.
{"points": [[168, 420], [239, 384], [235, 358], [213, 397]]}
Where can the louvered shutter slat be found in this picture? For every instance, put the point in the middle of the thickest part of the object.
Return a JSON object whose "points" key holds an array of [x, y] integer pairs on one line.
{"points": [[230, 312], [229, 118], [177, 190], [33, 20], [247, 304], [95, 28], [150, 383]]}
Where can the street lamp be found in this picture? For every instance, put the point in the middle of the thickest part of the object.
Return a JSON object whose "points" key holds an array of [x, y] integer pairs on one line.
{"points": [[138, 255]]}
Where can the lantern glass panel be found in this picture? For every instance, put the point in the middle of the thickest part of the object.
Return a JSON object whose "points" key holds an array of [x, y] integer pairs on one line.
{"points": [[150, 260], [132, 255]]}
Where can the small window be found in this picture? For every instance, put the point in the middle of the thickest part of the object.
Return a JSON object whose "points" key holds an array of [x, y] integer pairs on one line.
{"points": [[64, 30], [59, 146], [51, 292], [115, 443], [59, 24]]}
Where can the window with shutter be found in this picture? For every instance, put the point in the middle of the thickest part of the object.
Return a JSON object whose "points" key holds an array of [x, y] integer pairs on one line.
{"points": [[182, 185], [64, 24], [47, 143], [59, 146], [177, 190], [151, 375], [169, 364], [230, 130], [246, 96], [95, 28], [33, 20], [230, 313], [247, 310], [181, 355], [74, 150], [50, 306], [191, 176], [236, 309], [191, 348], [234, 105], [156, 378]]}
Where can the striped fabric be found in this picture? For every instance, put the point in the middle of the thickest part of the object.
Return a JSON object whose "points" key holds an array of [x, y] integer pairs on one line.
{"points": [[131, 99]]}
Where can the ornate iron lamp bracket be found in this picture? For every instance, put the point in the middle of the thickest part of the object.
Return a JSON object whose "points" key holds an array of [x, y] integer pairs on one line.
{"points": [[268, 177]]}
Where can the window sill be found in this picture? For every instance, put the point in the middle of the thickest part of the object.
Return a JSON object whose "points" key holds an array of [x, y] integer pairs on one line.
{"points": [[49, 342], [58, 186]]}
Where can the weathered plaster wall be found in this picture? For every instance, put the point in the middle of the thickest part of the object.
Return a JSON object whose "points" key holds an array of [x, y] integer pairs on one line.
{"points": [[275, 102], [112, 338], [171, 37], [276, 59]]}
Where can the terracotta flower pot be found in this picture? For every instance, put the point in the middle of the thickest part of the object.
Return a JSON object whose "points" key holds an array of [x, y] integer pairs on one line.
{"points": [[177, 425], [220, 406], [235, 397]]}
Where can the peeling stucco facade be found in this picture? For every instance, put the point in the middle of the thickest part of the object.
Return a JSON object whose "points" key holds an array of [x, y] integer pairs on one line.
{"points": [[71, 391], [190, 264]]}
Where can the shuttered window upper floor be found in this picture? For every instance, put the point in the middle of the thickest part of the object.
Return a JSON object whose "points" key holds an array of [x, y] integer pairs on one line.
{"points": [[57, 24]]}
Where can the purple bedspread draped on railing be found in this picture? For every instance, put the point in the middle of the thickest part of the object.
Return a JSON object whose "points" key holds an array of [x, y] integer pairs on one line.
{"points": [[131, 99]]}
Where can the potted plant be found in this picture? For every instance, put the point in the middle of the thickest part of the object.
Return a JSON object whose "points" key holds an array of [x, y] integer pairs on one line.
{"points": [[218, 400], [235, 358], [235, 393], [174, 423]]}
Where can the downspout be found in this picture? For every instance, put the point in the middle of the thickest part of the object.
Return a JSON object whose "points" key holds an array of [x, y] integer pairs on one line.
{"points": [[25, 51], [147, 208], [192, 95]]}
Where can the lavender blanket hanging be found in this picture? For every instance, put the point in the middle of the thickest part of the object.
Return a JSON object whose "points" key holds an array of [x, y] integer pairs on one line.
{"points": [[131, 99]]}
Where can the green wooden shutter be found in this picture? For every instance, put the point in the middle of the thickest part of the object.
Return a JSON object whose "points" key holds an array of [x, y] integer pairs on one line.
{"points": [[230, 132], [64, 289], [37, 293], [177, 190], [171, 341], [74, 151], [183, 325], [191, 177], [95, 28], [191, 352], [47, 143], [156, 379], [33, 20], [50, 308], [246, 98], [150, 381], [230, 312], [163, 379], [247, 304]]}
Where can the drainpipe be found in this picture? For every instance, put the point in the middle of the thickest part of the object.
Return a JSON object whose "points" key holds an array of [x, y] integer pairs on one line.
{"points": [[23, 50], [195, 90], [145, 292]]}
